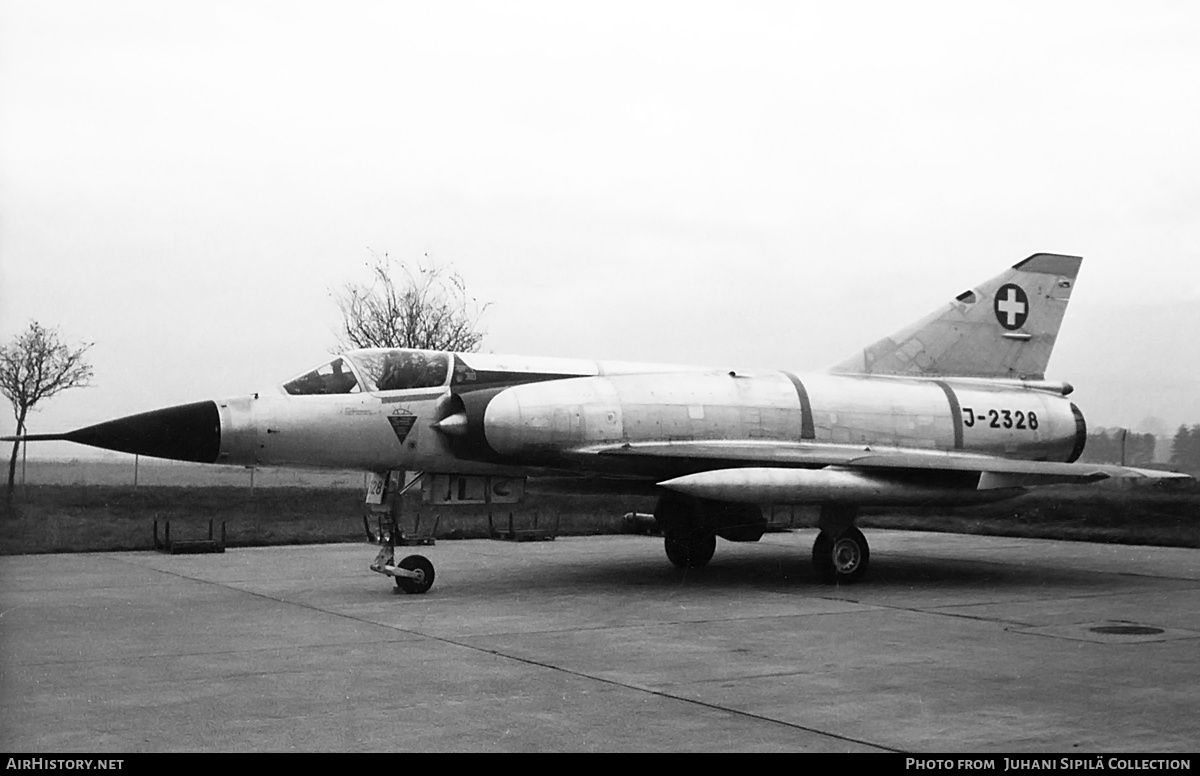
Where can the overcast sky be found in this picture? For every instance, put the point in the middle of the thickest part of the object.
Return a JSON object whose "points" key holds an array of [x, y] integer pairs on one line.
{"points": [[737, 184]]}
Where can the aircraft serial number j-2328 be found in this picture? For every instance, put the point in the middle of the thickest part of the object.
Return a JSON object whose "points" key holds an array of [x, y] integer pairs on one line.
{"points": [[952, 409]]}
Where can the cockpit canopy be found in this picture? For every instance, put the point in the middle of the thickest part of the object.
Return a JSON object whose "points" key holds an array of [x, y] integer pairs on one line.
{"points": [[398, 370], [373, 370]]}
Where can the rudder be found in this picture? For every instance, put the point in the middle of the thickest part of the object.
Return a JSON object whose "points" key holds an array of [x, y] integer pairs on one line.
{"points": [[1005, 328]]}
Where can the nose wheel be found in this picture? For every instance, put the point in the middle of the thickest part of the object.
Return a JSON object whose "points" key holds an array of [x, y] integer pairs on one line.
{"points": [[419, 577], [843, 559], [413, 575]]}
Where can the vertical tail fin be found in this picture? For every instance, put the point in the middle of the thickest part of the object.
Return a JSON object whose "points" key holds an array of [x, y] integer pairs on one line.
{"points": [[1003, 328]]}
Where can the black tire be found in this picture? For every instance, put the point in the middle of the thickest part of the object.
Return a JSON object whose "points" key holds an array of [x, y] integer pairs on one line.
{"points": [[843, 560], [674, 513], [822, 558], [421, 565], [690, 549]]}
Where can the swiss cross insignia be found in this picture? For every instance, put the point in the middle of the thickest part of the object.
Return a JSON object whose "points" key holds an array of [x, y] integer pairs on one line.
{"points": [[1011, 306]]}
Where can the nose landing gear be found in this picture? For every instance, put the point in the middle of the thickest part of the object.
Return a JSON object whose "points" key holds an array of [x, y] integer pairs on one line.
{"points": [[413, 575]]}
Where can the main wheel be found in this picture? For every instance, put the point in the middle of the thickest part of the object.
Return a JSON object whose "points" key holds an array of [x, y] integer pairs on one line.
{"points": [[424, 569], [690, 549], [842, 560]]}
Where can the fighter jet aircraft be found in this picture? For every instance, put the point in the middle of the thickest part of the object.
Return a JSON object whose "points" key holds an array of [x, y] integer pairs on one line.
{"points": [[953, 409]]}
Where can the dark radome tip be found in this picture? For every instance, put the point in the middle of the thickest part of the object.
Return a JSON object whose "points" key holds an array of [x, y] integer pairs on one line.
{"points": [[188, 432]]}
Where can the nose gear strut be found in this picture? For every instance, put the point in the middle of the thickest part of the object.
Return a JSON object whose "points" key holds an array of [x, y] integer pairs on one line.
{"points": [[415, 573]]}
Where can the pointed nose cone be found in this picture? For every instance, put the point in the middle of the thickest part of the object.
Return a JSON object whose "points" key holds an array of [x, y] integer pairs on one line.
{"points": [[189, 432]]}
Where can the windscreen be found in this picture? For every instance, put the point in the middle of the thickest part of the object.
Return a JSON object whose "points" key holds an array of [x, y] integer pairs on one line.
{"points": [[334, 377]]}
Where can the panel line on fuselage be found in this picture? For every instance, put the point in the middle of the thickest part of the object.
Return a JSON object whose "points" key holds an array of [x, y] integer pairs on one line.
{"points": [[955, 412], [409, 396], [807, 427]]}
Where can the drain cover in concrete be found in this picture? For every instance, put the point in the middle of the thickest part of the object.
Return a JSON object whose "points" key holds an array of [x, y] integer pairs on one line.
{"points": [[1111, 632]]}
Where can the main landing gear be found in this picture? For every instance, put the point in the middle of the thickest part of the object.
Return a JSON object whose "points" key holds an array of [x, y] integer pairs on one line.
{"points": [[689, 539], [690, 528], [690, 548], [840, 554], [841, 560]]}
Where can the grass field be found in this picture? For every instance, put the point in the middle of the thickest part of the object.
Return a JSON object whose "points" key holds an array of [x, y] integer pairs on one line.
{"points": [[92, 506], [85, 518], [152, 472], [1095, 513]]}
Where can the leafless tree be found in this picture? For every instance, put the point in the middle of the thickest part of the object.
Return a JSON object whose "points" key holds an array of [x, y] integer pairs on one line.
{"points": [[35, 366], [405, 306]]}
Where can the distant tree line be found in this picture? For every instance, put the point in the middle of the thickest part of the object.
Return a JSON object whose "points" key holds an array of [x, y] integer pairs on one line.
{"points": [[1105, 446], [1185, 450]]}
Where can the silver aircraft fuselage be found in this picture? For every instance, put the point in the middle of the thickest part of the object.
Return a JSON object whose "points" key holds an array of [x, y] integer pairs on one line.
{"points": [[507, 415]]}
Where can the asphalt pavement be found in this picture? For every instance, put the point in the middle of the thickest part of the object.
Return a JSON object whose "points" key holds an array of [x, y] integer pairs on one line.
{"points": [[952, 644]]}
